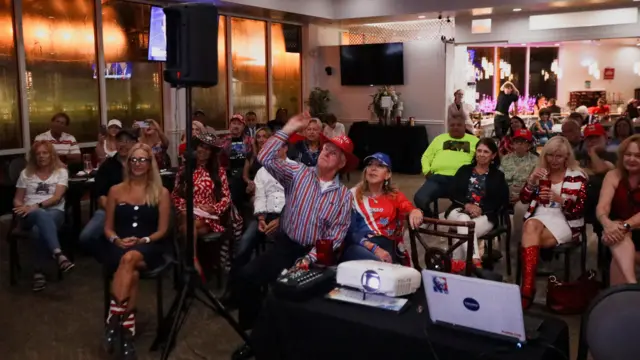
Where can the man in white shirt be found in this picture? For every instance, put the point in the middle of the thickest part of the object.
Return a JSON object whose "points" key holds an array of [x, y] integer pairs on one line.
{"points": [[65, 144], [268, 203], [333, 128]]}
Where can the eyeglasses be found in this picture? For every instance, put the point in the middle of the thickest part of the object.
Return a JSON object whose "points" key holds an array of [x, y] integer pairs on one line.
{"points": [[139, 160]]}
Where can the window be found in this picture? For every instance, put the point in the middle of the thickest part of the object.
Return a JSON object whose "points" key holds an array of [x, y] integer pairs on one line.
{"points": [[249, 59], [285, 71], [60, 56], [482, 60], [213, 101], [543, 72], [10, 126], [512, 62], [133, 84]]}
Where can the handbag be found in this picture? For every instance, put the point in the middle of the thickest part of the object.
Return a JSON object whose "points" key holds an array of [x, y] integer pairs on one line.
{"points": [[573, 297]]}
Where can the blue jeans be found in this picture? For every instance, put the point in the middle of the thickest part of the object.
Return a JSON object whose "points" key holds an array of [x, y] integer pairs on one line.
{"points": [[436, 186], [44, 225], [355, 251], [92, 236]]}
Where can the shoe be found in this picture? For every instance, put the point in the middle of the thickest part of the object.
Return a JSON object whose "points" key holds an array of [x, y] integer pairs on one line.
{"points": [[529, 269], [243, 352], [112, 333], [39, 282], [128, 346]]}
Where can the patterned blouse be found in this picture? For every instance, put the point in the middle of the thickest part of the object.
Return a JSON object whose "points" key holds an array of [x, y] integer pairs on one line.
{"points": [[203, 194]]}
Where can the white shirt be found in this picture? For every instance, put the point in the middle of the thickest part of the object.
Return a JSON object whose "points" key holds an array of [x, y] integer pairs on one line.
{"points": [[331, 133], [67, 145], [269, 196], [453, 110], [38, 190]]}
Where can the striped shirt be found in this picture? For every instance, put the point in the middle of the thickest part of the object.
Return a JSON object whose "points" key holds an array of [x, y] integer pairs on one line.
{"points": [[66, 145], [311, 213]]}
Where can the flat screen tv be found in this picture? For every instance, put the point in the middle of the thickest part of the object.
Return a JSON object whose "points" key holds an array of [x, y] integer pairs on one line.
{"points": [[118, 71], [372, 64], [157, 35]]}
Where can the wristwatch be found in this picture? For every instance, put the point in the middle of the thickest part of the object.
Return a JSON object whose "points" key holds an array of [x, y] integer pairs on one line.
{"points": [[146, 240], [627, 226]]}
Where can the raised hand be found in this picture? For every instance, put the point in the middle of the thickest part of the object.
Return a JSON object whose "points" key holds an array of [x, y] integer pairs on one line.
{"points": [[297, 123]]}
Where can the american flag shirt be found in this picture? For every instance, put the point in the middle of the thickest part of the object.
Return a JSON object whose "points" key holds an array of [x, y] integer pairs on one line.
{"points": [[311, 213]]}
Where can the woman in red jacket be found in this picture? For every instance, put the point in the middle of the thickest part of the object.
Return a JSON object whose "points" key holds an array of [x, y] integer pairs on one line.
{"points": [[555, 192]]}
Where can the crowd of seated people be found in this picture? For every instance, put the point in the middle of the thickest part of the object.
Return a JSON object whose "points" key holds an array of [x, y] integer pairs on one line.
{"points": [[551, 194]]}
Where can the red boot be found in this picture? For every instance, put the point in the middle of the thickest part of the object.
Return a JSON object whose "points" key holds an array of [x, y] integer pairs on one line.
{"points": [[529, 269]]}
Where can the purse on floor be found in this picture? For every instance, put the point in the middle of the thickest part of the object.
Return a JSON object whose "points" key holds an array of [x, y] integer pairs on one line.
{"points": [[573, 297]]}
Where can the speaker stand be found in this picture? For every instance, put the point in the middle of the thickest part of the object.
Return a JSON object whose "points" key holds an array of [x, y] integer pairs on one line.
{"points": [[193, 288]]}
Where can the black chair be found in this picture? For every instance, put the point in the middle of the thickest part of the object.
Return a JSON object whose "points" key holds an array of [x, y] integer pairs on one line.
{"points": [[210, 246], [16, 235], [502, 227], [565, 250], [157, 274], [610, 327]]}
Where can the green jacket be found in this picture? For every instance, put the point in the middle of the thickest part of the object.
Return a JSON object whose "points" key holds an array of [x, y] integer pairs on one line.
{"points": [[445, 154]]}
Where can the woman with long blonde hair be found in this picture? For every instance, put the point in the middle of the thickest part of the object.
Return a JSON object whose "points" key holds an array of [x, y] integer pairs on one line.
{"points": [[251, 164], [379, 210], [151, 134], [555, 192], [39, 202], [137, 220], [508, 95]]}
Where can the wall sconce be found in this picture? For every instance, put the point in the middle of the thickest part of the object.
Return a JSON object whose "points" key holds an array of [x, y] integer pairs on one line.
{"points": [[636, 68]]}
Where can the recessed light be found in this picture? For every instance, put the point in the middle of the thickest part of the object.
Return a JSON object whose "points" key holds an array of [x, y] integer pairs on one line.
{"points": [[421, 17], [517, 9], [523, 44], [556, 44]]}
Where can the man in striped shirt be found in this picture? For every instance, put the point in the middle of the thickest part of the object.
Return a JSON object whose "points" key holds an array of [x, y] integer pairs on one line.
{"points": [[318, 208], [65, 144]]}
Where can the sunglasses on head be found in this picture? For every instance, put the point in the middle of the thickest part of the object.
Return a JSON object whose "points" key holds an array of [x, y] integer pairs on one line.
{"points": [[139, 160]]}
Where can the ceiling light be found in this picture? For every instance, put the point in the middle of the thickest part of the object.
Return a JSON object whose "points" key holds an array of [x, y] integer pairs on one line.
{"points": [[517, 9], [556, 44], [523, 44], [483, 11], [421, 17]]}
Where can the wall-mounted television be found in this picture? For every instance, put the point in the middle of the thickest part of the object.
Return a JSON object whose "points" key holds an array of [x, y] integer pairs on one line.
{"points": [[372, 64], [157, 35], [118, 71]]}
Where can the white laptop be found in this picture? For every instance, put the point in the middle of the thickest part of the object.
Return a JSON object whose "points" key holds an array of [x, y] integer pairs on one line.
{"points": [[490, 307]]}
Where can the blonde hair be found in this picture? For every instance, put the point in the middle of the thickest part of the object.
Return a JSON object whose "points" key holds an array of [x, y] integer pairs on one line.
{"points": [[624, 146], [363, 187], [156, 137], [510, 85], [32, 161], [154, 181], [559, 144], [267, 132]]}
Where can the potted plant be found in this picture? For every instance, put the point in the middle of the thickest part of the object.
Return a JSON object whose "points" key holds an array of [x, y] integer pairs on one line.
{"points": [[376, 106], [318, 102]]}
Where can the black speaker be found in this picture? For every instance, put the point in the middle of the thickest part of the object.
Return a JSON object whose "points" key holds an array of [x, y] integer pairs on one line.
{"points": [[192, 45], [292, 38]]}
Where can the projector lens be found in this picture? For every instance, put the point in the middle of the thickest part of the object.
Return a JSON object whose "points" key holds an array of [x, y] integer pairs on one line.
{"points": [[370, 281]]}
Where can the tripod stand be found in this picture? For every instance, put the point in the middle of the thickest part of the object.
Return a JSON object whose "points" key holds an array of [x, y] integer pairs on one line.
{"points": [[192, 286]]}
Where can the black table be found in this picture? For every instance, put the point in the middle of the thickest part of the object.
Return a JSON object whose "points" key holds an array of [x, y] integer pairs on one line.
{"points": [[404, 144], [325, 329]]}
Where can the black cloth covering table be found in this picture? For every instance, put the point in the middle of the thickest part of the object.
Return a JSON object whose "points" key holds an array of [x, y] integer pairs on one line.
{"points": [[404, 144], [326, 329]]}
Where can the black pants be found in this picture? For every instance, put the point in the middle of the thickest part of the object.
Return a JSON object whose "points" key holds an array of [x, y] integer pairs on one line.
{"points": [[501, 125], [237, 188], [262, 271]]}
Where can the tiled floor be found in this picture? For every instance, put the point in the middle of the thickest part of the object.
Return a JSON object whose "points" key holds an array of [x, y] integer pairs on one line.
{"points": [[64, 321]]}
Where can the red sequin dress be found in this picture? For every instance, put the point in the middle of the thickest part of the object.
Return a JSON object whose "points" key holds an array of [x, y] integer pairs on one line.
{"points": [[203, 195]]}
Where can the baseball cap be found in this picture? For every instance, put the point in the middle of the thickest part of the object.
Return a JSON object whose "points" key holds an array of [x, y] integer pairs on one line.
{"points": [[594, 130], [114, 122], [381, 157], [346, 146], [523, 134]]}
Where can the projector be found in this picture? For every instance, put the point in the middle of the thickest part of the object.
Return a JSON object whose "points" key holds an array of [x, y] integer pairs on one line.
{"points": [[378, 277]]}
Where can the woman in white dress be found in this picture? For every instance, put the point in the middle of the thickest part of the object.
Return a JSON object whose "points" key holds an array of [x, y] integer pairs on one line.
{"points": [[555, 192]]}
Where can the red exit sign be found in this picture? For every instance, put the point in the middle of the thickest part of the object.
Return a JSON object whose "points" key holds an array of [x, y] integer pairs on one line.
{"points": [[609, 73]]}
